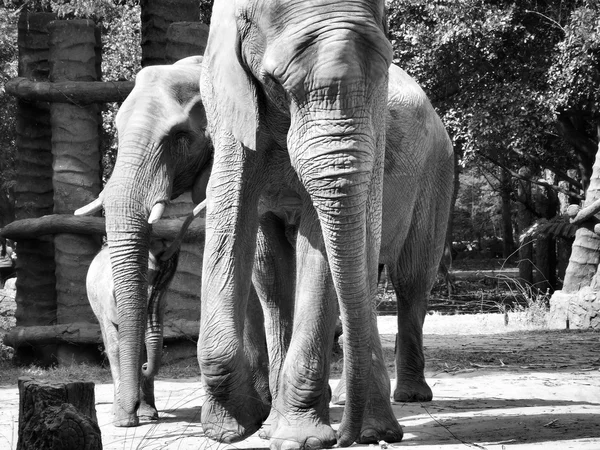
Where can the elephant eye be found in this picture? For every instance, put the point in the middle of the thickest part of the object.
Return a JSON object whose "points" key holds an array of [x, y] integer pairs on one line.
{"points": [[180, 143]]}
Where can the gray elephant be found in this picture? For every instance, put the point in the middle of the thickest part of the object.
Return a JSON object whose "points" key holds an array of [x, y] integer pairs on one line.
{"points": [[414, 134], [162, 264], [163, 151], [101, 295], [295, 95]]}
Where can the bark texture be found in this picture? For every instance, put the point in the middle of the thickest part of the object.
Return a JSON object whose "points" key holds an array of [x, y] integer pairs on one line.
{"points": [[578, 304], [36, 297], [57, 416], [74, 49], [157, 15], [185, 39]]}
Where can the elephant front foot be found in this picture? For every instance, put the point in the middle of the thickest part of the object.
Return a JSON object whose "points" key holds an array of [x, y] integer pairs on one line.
{"points": [[231, 422], [147, 412], [412, 391], [270, 424], [380, 428], [309, 435], [123, 419]]}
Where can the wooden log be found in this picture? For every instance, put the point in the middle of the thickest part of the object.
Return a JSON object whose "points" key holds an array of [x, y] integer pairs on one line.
{"points": [[86, 333], [75, 92], [57, 416], [65, 223]]}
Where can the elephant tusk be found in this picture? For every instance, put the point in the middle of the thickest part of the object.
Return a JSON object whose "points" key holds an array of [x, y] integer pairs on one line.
{"points": [[156, 213], [188, 220], [199, 208], [91, 207]]}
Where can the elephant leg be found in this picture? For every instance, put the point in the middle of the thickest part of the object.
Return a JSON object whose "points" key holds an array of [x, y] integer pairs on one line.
{"points": [[255, 347], [380, 422], [110, 337], [303, 396], [413, 278], [233, 409], [274, 279], [147, 409]]}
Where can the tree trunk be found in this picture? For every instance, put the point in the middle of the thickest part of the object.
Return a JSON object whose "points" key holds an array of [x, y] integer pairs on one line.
{"points": [[585, 255], [524, 220], [578, 304], [507, 229], [57, 416]]}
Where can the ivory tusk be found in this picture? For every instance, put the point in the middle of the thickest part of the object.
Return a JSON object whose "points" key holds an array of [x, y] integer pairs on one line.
{"points": [[199, 208], [188, 220], [157, 211], [91, 207]]}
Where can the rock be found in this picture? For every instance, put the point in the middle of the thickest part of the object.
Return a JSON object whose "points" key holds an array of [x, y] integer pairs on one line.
{"points": [[577, 310], [11, 284]]}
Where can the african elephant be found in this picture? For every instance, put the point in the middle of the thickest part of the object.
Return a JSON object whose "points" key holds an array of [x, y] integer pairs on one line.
{"points": [[101, 295], [295, 95], [417, 190], [163, 151]]}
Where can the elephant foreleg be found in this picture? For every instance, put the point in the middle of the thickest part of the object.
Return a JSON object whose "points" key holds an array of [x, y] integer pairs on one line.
{"points": [[302, 403], [233, 408], [274, 278]]}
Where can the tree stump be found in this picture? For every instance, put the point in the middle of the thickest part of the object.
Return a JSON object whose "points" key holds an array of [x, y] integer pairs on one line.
{"points": [[57, 416]]}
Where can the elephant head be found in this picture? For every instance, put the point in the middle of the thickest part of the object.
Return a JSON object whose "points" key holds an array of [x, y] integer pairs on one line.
{"points": [[295, 94], [163, 150]]}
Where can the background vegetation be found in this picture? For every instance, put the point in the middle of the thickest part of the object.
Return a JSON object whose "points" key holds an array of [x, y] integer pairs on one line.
{"points": [[516, 83]]}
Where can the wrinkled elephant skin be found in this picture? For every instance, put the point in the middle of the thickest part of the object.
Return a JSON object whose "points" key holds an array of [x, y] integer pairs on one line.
{"points": [[163, 151], [296, 101], [101, 295]]}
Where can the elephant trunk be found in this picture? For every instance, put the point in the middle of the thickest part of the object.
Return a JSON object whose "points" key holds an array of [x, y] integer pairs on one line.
{"points": [[342, 174], [128, 240]]}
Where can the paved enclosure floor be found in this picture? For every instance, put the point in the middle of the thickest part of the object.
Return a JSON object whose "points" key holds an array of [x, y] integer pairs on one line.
{"points": [[525, 390]]}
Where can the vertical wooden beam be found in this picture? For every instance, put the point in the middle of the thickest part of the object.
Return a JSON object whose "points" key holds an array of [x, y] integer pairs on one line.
{"points": [[185, 39], [77, 174], [36, 295], [157, 15]]}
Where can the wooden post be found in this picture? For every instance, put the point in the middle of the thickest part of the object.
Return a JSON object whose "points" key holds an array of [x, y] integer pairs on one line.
{"points": [[57, 416], [36, 295], [185, 39], [77, 174], [157, 15]]}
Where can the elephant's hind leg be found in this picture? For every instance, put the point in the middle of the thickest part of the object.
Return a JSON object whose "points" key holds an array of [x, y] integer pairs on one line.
{"points": [[413, 276]]}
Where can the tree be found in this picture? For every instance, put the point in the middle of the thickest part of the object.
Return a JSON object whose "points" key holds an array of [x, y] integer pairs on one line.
{"points": [[485, 65], [8, 70]]}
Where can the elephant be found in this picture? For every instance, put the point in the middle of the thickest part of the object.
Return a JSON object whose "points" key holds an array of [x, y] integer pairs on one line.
{"points": [[163, 151], [101, 295], [295, 95], [162, 264], [417, 193], [414, 133]]}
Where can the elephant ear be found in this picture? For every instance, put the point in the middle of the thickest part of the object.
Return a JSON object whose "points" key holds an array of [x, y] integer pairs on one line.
{"points": [[226, 79], [196, 115], [200, 183]]}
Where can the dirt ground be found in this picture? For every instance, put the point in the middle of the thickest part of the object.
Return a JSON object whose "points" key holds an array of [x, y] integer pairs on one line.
{"points": [[518, 389]]}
